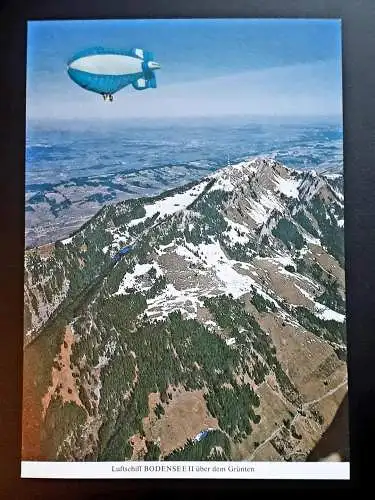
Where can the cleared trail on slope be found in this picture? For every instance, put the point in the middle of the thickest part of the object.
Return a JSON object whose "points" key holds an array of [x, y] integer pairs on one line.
{"points": [[305, 405]]}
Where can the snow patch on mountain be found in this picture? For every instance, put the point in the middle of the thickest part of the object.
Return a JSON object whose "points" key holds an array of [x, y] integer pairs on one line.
{"points": [[187, 254], [171, 299], [231, 281], [258, 212], [67, 241], [237, 233], [223, 183], [322, 311], [289, 187], [304, 292], [172, 204], [131, 280], [270, 201], [284, 260], [327, 314], [228, 178], [332, 176], [310, 239]]}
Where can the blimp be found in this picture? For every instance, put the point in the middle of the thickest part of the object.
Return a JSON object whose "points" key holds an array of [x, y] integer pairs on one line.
{"points": [[106, 71]]}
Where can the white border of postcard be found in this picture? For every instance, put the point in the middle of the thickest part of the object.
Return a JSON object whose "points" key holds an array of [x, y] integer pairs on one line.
{"points": [[185, 470]]}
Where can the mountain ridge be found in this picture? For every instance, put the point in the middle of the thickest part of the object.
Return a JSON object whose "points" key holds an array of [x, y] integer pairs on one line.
{"points": [[216, 177], [257, 240]]}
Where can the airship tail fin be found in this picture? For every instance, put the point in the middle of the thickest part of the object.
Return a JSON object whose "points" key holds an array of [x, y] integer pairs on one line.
{"points": [[152, 82], [143, 83], [140, 84], [143, 54], [148, 56]]}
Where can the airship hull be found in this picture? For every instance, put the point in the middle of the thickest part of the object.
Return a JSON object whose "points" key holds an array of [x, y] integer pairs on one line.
{"points": [[106, 71], [100, 84]]}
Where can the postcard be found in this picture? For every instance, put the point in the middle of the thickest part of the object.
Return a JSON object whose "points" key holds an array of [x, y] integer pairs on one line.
{"points": [[184, 285]]}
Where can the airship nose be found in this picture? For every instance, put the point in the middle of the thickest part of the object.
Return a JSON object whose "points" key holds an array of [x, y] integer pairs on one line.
{"points": [[153, 65]]}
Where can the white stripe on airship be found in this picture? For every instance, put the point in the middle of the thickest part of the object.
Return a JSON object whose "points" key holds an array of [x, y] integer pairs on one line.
{"points": [[108, 64]]}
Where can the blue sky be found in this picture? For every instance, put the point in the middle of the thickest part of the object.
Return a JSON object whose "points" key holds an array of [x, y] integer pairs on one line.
{"points": [[209, 68]]}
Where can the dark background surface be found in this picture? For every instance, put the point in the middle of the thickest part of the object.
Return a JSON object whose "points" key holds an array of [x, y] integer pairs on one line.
{"points": [[359, 153]]}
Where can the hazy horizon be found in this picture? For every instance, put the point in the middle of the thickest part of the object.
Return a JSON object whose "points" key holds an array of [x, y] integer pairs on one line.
{"points": [[155, 122]]}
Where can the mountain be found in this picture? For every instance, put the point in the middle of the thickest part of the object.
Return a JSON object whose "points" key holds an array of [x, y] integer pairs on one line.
{"points": [[225, 313], [73, 169]]}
